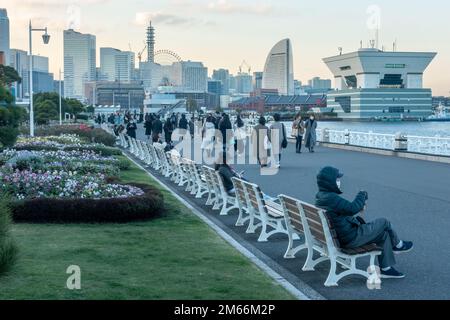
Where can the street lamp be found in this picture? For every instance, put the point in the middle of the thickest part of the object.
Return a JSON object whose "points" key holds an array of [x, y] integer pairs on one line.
{"points": [[45, 39], [60, 102]]}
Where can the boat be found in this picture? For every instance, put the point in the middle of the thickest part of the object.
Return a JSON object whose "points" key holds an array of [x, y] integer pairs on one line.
{"points": [[441, 114]]}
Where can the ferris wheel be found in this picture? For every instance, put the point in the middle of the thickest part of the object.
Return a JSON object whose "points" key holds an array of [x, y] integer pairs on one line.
{"points": [[166, 57]]}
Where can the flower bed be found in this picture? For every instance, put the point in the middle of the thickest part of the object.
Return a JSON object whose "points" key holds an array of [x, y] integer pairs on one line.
{"points": [[135, 207]]}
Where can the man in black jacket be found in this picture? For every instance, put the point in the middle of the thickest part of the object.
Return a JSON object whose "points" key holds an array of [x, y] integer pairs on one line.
{"points": [[352, 231]]}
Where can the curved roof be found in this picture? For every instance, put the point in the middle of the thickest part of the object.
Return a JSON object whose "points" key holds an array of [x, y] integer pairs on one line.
{"points": [[278, 70]]}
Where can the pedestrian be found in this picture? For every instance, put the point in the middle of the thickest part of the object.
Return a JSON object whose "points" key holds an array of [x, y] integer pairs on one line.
{"points": [[310, 133], [239, 135], [226, 132], [183, 123], [278, 128], [208, 134], [148, 127], [261, 142], [156, 129], [298, 129], [168, 129], [352, 231], [131, 129], [191, 125]]}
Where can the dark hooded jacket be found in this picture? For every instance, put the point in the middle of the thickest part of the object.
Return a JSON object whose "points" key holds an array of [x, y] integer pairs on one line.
{"points": [[340, 211]]}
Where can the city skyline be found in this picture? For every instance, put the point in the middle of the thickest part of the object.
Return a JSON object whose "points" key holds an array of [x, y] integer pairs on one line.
{"points": [[222, 34]]}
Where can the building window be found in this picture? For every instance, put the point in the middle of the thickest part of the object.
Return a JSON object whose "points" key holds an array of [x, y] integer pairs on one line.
{"points": [[395, 66], [345, 102], [346, 68], [396, 110]]}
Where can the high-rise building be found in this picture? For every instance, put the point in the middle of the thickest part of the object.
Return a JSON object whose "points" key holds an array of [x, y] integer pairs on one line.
{"points": [[278, 69], [244, 83], [223, 75], [79, 62], [214, 91], [194, 76], [116, 65], [319, 84], [257, 80], [42, 79], [4, 36]]}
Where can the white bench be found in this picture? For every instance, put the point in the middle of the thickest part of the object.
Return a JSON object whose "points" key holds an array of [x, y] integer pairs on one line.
{"points": [[244, 210], [268, 212], [322, 238]]}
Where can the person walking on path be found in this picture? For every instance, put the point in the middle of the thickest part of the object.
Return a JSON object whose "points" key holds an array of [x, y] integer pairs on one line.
{"points": [[298, 129], [226, 130], [156, 129], [148, 126], [208, 134], [277, 128], [131, 129], [183, 123], [261, 141], [352, 231], [239, 135], [310, 133], [168, 129]]}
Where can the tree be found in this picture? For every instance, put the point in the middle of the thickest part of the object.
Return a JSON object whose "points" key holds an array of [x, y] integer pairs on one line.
{"points": [[10, 116], [74, 107], [52, 96], [191, 105], [46, 111]]}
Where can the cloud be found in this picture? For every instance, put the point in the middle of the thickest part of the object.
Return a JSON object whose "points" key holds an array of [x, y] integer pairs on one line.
{"points": [[142, 19], [228, 7]]}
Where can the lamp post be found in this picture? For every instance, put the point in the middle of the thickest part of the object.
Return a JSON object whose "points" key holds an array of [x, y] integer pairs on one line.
{"points": [[45, 39], [60, 99]]}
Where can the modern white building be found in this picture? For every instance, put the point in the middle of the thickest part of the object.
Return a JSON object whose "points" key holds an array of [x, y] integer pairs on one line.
{"points": [[116, 65], [244, 83], [278, 69], [79, 62], [371, 83], [4, 36]]}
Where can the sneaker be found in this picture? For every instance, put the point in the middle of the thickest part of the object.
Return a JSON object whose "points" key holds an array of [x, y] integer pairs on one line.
{"points": [[391, 274], [407, 247]]}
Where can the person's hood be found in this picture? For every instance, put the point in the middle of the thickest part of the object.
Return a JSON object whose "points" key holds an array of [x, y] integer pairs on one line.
{"points": [[326, 180]]}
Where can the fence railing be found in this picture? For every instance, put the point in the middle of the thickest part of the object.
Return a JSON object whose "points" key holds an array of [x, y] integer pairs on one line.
{"points": [[397, 142]]}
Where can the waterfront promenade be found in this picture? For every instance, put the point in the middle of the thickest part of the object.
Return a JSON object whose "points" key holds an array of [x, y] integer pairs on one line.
{"points": [[412, 194]]}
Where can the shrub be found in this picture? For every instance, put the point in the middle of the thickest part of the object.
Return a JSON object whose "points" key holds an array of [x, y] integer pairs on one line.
{"points": [[8, 249], [91, 134], [117, 210]]}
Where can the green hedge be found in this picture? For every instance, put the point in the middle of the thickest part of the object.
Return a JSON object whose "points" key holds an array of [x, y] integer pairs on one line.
{"points": [[119, 210], [8, 249]]}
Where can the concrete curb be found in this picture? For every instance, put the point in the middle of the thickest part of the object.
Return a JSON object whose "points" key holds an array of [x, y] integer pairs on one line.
{"points": [[253, 258]]}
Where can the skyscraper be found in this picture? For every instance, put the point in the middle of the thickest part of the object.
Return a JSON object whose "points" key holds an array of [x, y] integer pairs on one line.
{"points": [[79, 62], [278, 70], [4, 36], [257, 80], [223, 75], [194, 76], [319, 84], [116, 65], [244, 83]]}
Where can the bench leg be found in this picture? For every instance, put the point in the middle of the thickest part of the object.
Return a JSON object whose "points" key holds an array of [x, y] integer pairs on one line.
{"points": [[291, 251], [310, 263], [252, 226], [241, 220]]}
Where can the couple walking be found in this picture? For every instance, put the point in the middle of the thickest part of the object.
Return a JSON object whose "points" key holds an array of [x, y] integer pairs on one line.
{"points": [[306, 129]]}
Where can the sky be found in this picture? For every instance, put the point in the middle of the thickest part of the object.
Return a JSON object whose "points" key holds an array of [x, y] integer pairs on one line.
{"points": [[223, 33]]}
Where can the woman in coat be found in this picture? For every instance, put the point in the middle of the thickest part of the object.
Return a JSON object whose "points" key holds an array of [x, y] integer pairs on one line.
{"points": [[131, 129], [310, 133], [148, 126], [260, 141], [298, 129]]}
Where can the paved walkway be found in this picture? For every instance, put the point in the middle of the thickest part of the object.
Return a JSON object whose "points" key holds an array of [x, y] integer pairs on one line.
{"points": [[414, 195]]}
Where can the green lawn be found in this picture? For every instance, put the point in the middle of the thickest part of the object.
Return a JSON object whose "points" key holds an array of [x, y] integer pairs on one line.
{"points": [[174, 257]]}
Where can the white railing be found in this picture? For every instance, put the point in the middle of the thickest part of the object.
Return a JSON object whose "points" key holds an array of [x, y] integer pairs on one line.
{"points": [[429, 145], [397, 142]]}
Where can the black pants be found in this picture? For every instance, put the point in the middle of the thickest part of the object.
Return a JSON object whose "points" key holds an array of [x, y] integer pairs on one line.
{"points": [[298, 144]]}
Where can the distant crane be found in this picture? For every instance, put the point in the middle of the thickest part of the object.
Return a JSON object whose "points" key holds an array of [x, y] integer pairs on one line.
{"points": [[244, 63], [140, 54]]}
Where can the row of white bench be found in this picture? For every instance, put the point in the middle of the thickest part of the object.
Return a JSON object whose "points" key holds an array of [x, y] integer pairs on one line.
{"points": [[286, 215]]}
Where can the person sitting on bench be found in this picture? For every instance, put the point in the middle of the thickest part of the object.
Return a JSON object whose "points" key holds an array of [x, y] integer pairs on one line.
{"points": [[226, 173], [352, 230]]}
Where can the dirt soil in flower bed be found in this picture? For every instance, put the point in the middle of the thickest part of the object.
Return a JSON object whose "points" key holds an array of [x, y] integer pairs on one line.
{"points": [[119, 210]]}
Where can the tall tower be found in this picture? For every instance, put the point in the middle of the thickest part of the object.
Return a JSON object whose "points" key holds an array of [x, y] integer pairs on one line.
{"points": [[4, 35], [150, 43]]}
